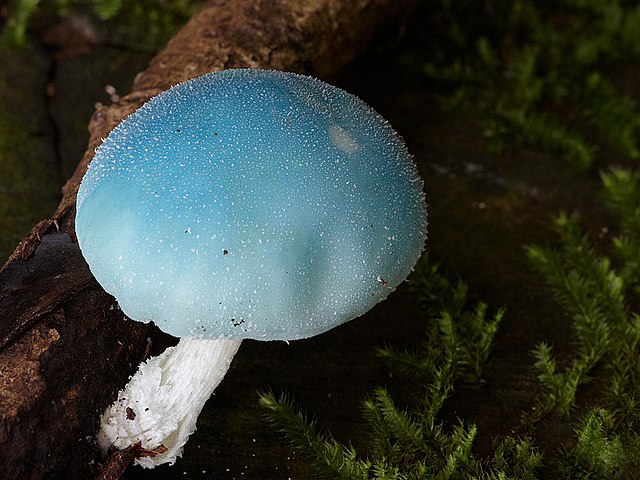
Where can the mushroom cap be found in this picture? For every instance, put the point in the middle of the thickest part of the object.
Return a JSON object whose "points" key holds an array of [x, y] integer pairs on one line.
{"points": [[251, 204]]}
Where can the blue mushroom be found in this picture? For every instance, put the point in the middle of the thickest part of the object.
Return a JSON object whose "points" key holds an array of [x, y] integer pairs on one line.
{"points": [[241, 204]]}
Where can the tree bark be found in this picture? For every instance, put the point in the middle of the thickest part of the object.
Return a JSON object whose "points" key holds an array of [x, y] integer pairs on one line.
{"points": [[65, 347]]}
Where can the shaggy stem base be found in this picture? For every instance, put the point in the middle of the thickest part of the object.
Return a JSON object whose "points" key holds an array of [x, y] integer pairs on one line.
{"points": [[161, 403]]}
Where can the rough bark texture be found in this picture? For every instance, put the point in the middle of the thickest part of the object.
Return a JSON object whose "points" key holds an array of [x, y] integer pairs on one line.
{"points": [[65, 347]]}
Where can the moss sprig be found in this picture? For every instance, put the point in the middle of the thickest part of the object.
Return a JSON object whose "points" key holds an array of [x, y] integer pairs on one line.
{"points": [[413, 442], [592, 293], [622, 195], [329, 456]]}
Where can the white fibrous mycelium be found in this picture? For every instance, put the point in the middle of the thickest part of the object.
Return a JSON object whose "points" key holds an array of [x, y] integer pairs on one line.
{"points": [[241, 204]]}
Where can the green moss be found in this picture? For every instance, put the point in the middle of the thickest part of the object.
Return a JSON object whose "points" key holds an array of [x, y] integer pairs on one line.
{"points": [[21, 11], [524, 64]]}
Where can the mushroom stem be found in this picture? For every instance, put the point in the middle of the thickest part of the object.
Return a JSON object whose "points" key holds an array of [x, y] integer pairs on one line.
{"points": [[161, 403]]}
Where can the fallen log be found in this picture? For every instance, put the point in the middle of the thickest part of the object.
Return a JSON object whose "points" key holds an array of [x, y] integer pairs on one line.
{"points": [[65, 347]]}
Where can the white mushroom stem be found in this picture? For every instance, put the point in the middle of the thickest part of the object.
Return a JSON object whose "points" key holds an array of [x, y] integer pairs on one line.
{"points": [[161, 403]]}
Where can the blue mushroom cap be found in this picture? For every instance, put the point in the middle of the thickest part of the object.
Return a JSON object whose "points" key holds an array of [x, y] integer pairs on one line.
{"points": [[251, 204]]}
